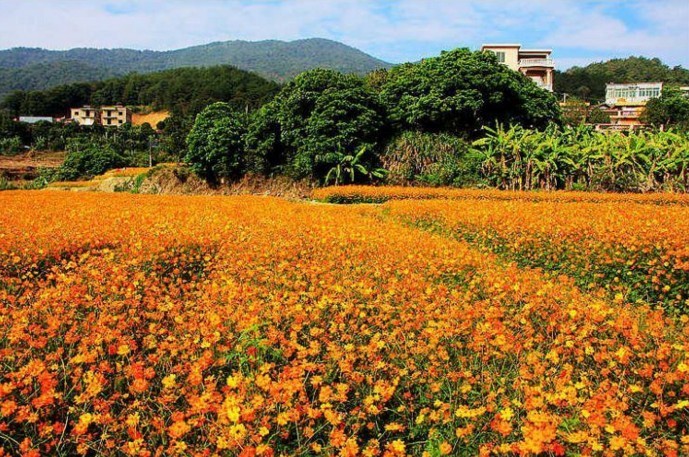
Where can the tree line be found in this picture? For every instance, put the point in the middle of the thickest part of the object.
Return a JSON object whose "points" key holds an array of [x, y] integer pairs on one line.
{"points": [[324, 118], [182, 90], [435, 122]]}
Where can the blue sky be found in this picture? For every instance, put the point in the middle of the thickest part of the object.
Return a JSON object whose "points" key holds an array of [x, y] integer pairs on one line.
{"points": [[578, 31]]}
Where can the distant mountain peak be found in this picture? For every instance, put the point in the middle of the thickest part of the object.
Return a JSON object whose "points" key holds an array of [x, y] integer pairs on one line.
{"points": [[25, 68]]}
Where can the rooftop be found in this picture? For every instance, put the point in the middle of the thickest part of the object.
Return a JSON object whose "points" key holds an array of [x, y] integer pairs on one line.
{"points": [[501, 45]]}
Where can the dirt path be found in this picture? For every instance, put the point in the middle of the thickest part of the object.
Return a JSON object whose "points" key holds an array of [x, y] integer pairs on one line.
{"points": [[25, 166]]}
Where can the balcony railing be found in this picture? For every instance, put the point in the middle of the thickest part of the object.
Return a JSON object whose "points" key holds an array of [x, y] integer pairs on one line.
{"points": [[536, 63], [625, 115]]}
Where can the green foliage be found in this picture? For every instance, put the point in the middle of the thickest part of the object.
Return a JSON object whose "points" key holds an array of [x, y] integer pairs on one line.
{"points": [[89, 162], [349, 166], [184, 90], [588, 83], [597, 116], [6, 184], [94, 150], [133, 185], [461, 91], [671, 109], [10, 146], [173, 138], [216, 143], [265, 151], [430, 159], [318, 112], [40, 69], [580, 158], [10, 129], [575, 111]]}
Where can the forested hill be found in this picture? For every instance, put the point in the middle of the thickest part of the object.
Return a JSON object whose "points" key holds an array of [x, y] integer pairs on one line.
{"points": [[184, 90], [34, 69], [589, 82]]}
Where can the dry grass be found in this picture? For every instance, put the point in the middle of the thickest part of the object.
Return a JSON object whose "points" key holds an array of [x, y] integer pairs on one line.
{"points": [[150, 118]]}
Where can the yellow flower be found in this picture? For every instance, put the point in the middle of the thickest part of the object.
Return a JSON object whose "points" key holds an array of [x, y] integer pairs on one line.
{"points": [[133, 420], [233, 381], [237, 432], [169, 381], [398, 446], [233, 413], [682, 404]]}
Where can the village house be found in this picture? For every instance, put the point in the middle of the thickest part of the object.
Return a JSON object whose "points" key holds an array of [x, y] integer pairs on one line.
{"points": [[86, 115], [625, 103], [108, 116], [115, 115], [536, 64]]}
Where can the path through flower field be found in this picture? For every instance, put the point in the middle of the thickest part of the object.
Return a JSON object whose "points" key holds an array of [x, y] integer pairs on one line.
{"points": [[170, 325]]}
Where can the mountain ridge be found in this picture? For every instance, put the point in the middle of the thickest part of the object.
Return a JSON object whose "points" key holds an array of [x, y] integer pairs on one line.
{"points": [[24, 68]]}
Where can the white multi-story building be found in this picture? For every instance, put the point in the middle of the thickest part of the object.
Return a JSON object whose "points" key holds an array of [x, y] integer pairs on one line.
{"points": [[631, 94], [625, 103], [536, 64]]}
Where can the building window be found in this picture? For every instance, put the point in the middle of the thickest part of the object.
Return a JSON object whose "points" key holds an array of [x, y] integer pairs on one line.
{"points": [[501, 56]]}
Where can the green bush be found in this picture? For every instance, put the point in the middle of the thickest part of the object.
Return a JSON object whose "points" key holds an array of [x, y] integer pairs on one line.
{"points": [[10, 146], [89, 162], [6, 184], [431, 159]]}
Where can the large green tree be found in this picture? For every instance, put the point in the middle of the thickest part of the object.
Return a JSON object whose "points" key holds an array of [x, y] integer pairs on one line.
{"points": [[460, 91], [671, 109], [215, 145], [314, 118]]}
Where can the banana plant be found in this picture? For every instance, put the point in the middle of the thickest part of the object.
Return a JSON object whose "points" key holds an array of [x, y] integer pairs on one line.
{"points": [[348, 166]]}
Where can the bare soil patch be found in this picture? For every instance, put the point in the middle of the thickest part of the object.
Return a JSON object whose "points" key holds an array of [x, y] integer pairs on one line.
{"points": [[25, 166]]}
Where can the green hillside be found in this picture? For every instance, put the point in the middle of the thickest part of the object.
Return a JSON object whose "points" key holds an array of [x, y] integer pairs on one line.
{"points": [[35, 69], [589, 82], [185, 90]]}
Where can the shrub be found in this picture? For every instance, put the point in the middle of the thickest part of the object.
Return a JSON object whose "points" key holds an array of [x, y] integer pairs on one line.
{"points": [[89, 162], [10, 146], [430, 159]]}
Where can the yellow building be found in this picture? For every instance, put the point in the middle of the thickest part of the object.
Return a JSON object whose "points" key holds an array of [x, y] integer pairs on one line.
{"points": [[86, 115], [114, 116], [536, 64], [108, 116]]}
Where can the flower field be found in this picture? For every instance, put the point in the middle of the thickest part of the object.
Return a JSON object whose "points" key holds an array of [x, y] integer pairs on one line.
{"points": [[369, 194], [170, 325], [638, 251]]}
